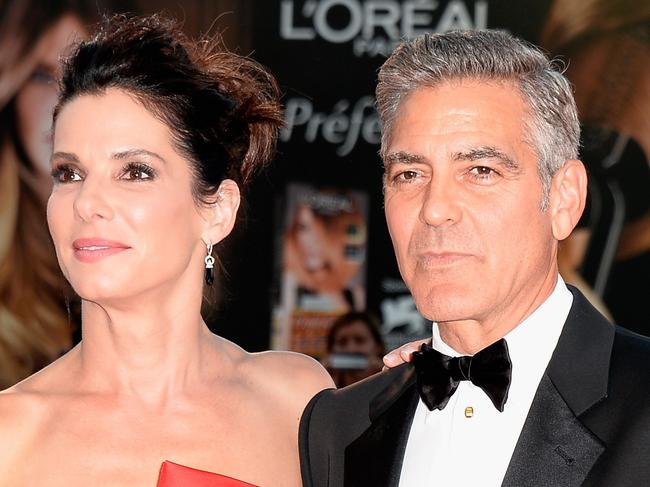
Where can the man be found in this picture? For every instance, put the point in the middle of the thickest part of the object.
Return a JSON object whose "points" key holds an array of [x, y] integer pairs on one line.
{"points": [[479, 142], [354, 348]]}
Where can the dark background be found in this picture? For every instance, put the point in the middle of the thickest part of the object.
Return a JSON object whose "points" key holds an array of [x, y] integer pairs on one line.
{"points": [[333, 78]]}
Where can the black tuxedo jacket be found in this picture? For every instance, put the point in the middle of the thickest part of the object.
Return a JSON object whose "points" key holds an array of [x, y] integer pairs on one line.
{"points": [[589, 423]]}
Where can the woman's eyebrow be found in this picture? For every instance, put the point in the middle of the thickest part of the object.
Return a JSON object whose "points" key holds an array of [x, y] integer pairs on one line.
{"points": [[66, 156], [127, 154]]}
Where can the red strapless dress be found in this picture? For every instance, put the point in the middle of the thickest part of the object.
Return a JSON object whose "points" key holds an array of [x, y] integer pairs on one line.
{"points": [[174, 475]]}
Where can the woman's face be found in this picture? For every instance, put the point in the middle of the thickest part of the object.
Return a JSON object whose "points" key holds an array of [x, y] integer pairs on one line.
{"points": [[37, 97], [325, 254], [121, 212], [311, 236]]}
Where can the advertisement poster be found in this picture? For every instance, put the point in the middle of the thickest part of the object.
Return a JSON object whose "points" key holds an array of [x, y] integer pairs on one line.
{"points": [[322, 248]]}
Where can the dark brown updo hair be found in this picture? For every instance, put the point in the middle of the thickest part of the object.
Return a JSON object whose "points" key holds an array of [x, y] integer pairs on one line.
{"points": [[222, 109]]}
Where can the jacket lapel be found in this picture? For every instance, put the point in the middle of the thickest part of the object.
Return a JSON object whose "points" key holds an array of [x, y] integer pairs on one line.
{"points": [[375, 457], [555, 448]]}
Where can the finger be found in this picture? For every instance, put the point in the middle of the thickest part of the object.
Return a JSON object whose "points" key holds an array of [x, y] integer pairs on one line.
{"points": [[402, 354], [392, 359], [405, 353], [396, 357], [407, 350]]}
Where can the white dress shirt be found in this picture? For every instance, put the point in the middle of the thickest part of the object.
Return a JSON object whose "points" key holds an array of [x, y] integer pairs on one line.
{"points": [[446, 447]]}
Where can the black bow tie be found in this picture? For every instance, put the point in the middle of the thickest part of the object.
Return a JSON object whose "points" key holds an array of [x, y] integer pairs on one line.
{"points": [[438, 375]]}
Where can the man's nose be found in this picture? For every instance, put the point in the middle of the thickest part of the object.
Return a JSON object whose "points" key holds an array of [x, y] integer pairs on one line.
{"points": [[440, 206], [92, 202]]}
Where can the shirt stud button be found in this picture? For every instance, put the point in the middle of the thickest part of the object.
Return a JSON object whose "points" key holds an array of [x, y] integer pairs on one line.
{"points": [[469, 411]]}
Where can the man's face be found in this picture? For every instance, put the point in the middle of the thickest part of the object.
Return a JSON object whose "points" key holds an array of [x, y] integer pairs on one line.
{"points": [[463, 204], [355, 337]]}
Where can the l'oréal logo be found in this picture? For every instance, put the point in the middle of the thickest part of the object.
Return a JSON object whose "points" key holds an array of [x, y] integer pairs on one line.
{"points": [[375, 26]]}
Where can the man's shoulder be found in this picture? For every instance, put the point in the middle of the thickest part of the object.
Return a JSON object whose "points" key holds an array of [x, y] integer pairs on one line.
{"points": [[628, 353], [391, 381], [622, 418], [336, 417], [631, 359], [366, 389]]}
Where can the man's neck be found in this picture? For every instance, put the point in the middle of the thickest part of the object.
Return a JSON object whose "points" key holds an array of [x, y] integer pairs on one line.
{"points": [[468, 337]]}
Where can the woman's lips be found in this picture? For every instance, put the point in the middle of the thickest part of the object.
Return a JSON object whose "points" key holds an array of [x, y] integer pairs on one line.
{"points": [[93, 249]]}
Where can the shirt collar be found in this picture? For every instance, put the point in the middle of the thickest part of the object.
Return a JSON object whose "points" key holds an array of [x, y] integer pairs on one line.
{"points": [[537, 334]]}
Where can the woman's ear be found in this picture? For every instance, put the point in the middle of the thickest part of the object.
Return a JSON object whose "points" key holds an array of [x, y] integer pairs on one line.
{"points": [[568, 196], [220, 215]]}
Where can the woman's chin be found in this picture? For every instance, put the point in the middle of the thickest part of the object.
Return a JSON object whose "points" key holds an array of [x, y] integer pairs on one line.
{"points": [[103, 292]]}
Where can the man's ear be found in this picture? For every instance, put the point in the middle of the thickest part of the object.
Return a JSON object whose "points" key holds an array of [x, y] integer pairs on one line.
{"points": [[220, 215], [567, 199]]}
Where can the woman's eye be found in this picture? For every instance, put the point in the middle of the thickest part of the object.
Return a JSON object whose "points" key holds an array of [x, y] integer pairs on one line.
{"points": [[65, 174], [138, 172], [42, 75]]}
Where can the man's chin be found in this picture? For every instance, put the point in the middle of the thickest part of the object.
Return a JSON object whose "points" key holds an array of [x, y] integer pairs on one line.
{"points": [[449, 302]]}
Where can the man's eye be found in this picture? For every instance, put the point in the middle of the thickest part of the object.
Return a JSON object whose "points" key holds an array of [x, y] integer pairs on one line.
{"points": [[483, 172], [405, 176]]}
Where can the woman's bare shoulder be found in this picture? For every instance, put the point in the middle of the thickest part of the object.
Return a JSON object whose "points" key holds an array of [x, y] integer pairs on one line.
{"points": [[27, 409], [18, 406], [294, 367], [21, 413], [25, 402], [53, 380], [293, 375]]}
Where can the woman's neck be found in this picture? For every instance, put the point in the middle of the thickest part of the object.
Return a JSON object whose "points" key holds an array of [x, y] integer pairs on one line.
{"points": [[151, 351]]}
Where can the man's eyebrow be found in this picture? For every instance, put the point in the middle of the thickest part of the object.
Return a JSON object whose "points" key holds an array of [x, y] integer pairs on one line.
{"points": [[402, 157], [488, 152], [127, 154]]}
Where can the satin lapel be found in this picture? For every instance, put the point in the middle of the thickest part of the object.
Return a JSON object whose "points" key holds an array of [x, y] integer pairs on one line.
{"points": [[555, 448], [375, 457]]}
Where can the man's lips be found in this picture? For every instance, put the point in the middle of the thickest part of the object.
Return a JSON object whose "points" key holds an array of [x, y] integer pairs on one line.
{"points": [[441, 258], [93, 249]]}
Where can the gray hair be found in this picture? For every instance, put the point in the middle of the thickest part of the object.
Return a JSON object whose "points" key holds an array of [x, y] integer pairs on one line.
{"points": [[552, 129]]}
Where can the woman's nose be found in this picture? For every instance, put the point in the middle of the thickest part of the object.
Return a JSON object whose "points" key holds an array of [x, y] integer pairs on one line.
{"points": [[92, 202]]}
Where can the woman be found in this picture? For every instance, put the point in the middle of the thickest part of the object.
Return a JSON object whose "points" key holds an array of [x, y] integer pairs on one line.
{"points": [[153, 138], [34, 325]]}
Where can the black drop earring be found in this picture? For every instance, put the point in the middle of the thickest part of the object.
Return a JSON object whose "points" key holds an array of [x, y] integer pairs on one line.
{"points": [[209, 266]]}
